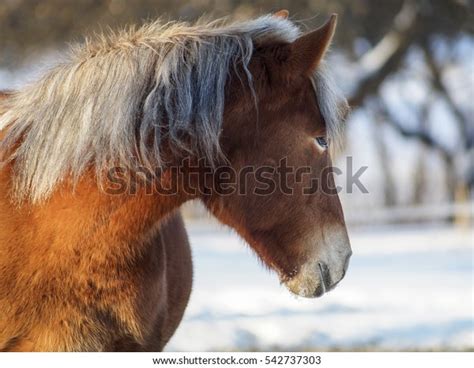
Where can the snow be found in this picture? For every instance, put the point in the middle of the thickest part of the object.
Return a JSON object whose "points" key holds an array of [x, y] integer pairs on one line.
{"points": [[406, 288]]}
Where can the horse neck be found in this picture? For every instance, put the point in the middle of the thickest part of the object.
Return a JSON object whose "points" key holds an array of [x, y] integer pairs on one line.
{"points": [[87, 218]]}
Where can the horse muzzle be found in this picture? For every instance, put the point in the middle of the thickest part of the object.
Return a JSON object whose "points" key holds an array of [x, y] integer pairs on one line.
{"points": [[323, 272], [315, 279]]}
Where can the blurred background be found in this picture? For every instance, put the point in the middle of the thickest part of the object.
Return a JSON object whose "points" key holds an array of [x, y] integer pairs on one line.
{"points": [[407, 68]]}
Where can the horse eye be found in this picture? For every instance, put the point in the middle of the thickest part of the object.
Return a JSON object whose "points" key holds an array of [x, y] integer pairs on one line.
{"points": [[322, 142]]}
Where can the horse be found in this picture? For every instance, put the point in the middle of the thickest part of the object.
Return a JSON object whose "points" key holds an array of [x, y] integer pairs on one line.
{"points": [[89, 264]]}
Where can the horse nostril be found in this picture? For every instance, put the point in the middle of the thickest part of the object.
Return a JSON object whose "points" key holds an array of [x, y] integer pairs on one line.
{"points": [[325, 276], [346, 263]]}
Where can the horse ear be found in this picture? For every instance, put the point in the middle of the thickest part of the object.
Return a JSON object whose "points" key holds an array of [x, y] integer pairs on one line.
{"points": [[308, 50], [282, 14]]}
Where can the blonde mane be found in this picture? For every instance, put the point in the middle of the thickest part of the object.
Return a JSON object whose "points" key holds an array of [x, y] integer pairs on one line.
{"points": [[100, 107]]}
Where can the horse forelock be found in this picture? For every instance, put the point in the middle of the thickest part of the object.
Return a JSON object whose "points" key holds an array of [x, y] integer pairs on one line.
{"points": [[100, 107], [331, 102]]}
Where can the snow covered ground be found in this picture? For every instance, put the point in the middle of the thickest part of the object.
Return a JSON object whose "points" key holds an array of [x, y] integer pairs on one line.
{"points": [[406, 288]]}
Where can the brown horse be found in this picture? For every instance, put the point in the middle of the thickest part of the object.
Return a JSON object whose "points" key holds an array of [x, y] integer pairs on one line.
{"points": [[90, 264]]}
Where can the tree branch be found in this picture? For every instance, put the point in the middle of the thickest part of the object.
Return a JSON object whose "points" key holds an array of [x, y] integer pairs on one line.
{"points": [[389, 52], [438, 84], [421, 135]]}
